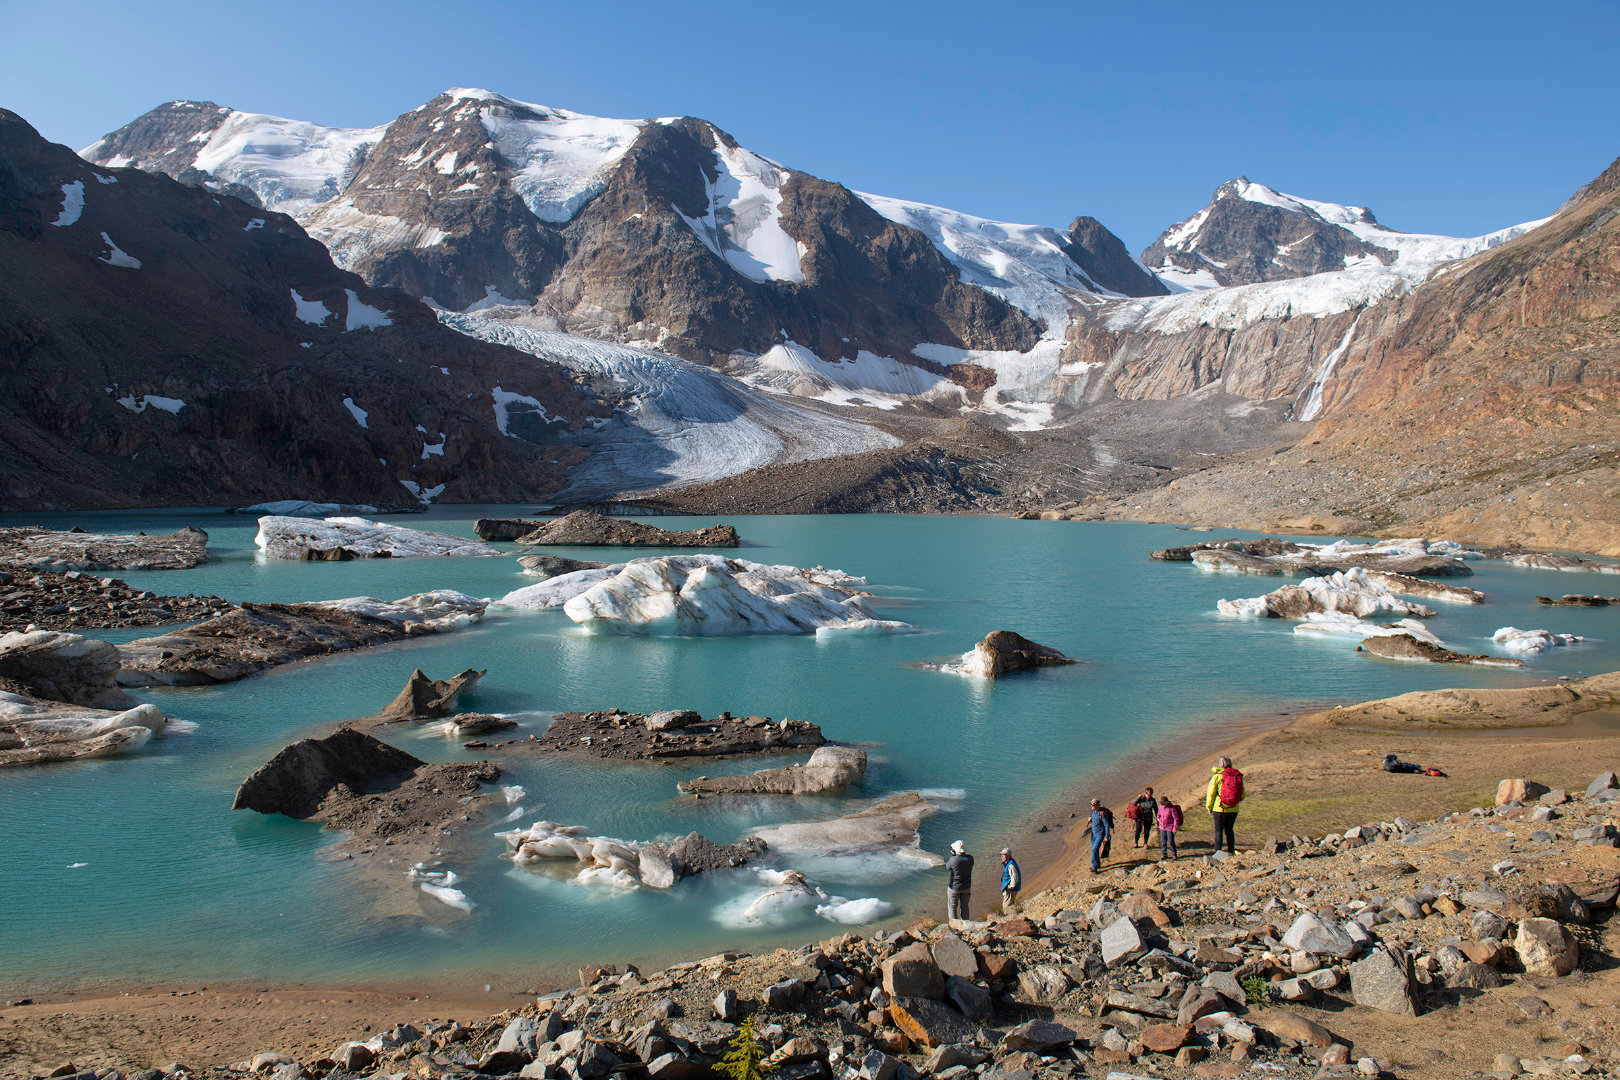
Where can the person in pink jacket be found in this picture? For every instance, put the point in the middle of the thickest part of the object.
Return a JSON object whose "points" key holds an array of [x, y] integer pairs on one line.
{"points": [[1169, 825]]}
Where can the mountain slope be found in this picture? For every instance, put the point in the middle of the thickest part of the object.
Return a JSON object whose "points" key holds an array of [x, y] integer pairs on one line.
{"points": [[1484, 406], [163, 344]]}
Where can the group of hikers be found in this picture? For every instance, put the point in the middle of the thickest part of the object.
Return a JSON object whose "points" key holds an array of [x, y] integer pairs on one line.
{"points": [[1146, 813]]}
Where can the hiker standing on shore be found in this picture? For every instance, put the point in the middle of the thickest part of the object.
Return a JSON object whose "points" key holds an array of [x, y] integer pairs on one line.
{"points": [[1102, 831], [1169, 815], [1144, 811], [1012, 879], [1222, 799], [959, 882]]}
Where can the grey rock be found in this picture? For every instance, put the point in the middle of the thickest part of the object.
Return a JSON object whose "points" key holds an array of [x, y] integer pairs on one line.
{"points": [[955, 1055], [1383, 980], [1038, 1036], [1043, 984], [1121, 942], [522, 1034], [971, 1000], [1487, 926], [953, 956], [671, 719], [911, 972], [1225, 984], [678, 1066], [725, 1005], [1472, 976], [1310, 934], [786, 996], [1606, 781]]}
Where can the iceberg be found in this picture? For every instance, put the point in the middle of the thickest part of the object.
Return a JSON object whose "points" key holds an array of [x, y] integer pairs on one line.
{"points": [[708, 595], [1352, 592], [338, 539], [1530, 642]]}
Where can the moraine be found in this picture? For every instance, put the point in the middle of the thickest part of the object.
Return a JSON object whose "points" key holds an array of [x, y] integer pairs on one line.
{"points": [[156, 874]]}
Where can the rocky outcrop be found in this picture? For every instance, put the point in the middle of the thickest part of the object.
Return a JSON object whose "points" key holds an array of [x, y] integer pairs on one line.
{"points": [[44, 549], [36, 732], [1003, 652], [1106, 261], [428, 699], [585, 529], [496, 530], [210, 363], [1249, 233], [1574, 600], [342, 539], [354, 782], [62, 667], [672, 734], [546, 567], [830, 768], [259, 636], [1407, 647], [297, 780], [71, 600]]}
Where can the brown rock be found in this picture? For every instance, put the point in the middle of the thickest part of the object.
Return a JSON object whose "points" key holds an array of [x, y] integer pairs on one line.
{"points": [[929, 1023], [1165, 1038], [1018, 926], [427, 699], [1519, 791], [1003, 652], [585, 529], [1188, 1056], [995, 967], [912, 973], [1288, 1025]]}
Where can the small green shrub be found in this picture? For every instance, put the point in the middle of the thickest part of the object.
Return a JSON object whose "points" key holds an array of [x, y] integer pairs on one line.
{"points": [[1256, 990]]}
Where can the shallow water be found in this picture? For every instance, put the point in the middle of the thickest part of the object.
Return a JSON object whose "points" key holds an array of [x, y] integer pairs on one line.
{"points": [[174, 886]]}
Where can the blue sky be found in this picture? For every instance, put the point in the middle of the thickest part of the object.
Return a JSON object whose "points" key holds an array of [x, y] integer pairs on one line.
{"points": [[1442, 117]]}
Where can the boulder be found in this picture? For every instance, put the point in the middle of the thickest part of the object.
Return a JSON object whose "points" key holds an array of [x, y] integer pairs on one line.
{"points": [[1164, 1038], [955, 957], [298, 778], [521, 1035], [1520, 791], [1471, 976], [497, 530], [1289, 1025], [725, 1005], [63, 667], [695, 853], [1605, 782], [1198, 1001], [1383, 980], [671, 719], [1310, 934], [1003, 652], [1038, 1036], [928, 1023], [912, 973], [1546, 948], [970, 999], [786, 996], [955, 1055], [1121, 942], [585, 529], [1043, 984], [1141, 908]]}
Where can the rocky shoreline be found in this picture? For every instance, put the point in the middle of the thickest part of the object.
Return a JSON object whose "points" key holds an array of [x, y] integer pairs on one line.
{"points": [[76, 600]]}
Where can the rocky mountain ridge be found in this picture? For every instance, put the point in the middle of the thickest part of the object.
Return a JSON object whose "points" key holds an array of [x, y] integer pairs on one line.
{"points": [[164, 344]]}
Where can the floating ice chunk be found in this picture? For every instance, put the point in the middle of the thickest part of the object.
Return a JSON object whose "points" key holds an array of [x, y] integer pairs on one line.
{"points": [[514, 793], [435, 612], [72, 204], [1253, 606], [117, 256], [77, 865], [557, 591], [1530, 642], [610, 877], [706, 595], [439, 884], [311, 311], [865, 626], [1338, 623], [855, 912], [296, 538], [1354, 592]]}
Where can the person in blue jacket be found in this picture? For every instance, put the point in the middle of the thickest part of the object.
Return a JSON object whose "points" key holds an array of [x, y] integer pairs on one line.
{"points": [[1101, 833], [1012, 879]]}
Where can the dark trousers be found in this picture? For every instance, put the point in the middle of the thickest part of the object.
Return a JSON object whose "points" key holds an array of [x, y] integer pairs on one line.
{"points": [[1144, 832], [1167, 845], [956, 903], [1224, 822]]}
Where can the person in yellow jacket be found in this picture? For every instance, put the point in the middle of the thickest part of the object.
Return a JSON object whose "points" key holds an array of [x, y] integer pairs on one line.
{"points": [[1222, 799]]}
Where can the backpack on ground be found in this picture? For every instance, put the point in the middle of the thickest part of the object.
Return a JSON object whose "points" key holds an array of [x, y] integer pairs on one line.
{"points": [[1231, 787]]}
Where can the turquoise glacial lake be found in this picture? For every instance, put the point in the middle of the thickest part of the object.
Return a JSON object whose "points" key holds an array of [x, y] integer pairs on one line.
{"points": [[135, 868]]}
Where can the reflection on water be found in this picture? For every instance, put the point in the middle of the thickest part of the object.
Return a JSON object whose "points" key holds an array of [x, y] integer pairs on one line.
{"points": [[167, 882]]}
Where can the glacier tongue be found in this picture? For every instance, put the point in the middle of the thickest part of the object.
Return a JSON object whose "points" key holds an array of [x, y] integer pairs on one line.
{"points": [[681, 423]]}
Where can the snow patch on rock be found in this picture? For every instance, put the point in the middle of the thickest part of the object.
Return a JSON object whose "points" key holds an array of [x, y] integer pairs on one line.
{"points": [[72, 204]]}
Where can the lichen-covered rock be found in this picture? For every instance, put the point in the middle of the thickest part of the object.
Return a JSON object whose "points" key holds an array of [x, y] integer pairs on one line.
{"points": [[1546, 947]]}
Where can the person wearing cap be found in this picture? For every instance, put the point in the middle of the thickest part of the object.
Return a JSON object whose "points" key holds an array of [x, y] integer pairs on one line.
{"points": [[1101, 833], [1012, 879], [959, 882]]}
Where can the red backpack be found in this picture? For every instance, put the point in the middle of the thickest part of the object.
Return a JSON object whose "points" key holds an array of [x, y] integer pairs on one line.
{"points": [[1132, 813], [1231, 787]]}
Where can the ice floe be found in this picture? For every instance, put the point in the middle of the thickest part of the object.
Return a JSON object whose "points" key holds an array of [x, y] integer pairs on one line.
{"points": [[706, 595], [1530, 642], [1353, 592], [340, 538], [787, 896], [1337, 623], [440, 884], [33, 731]]}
